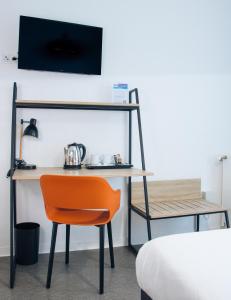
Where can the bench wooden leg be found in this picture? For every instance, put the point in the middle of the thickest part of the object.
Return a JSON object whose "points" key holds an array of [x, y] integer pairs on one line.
{"points": [[227, 219]]}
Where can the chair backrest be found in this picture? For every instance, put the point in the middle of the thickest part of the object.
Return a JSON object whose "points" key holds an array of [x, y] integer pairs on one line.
{"points": [[76, 192], [168, 190]]}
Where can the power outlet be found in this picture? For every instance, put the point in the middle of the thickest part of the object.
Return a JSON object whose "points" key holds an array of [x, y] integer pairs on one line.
{"points": [[5, 58], [9, 58]]}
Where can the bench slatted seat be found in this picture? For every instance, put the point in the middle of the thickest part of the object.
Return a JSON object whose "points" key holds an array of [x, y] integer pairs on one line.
{"points": [[174, 198]]}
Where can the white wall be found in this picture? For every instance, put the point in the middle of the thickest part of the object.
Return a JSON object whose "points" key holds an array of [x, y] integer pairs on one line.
{"points": [[176, 52]]}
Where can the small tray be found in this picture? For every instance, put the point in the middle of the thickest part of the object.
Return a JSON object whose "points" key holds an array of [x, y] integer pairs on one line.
{"points": [[111, 166]]}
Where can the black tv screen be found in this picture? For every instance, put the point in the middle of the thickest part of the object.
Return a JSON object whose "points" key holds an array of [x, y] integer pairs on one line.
{"points": [[59, 46]]}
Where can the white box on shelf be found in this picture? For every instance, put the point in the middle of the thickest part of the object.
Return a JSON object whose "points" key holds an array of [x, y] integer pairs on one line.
{"points": [[120, 93]]}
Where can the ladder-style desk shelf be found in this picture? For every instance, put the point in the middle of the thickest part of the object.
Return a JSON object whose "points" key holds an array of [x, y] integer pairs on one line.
{"points": [[18, 175]]}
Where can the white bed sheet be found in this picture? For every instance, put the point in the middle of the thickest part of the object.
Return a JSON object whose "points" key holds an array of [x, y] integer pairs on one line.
{"points": [[191, 266]]}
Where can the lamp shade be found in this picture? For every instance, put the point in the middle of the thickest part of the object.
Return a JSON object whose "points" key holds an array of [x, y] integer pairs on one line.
{"points": [[31, 129]]}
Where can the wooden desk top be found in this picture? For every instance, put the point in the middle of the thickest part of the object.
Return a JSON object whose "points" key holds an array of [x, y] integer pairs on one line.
{"points": [[37, 173]]}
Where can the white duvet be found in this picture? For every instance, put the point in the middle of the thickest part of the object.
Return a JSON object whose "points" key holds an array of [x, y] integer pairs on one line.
{"points": [[192, 266]]}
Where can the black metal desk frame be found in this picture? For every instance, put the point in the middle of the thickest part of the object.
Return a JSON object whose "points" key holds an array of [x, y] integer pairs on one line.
{"points": [[78, 106]]}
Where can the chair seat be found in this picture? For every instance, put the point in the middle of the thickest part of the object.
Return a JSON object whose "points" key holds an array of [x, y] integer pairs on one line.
{"points": [[79, 216]]}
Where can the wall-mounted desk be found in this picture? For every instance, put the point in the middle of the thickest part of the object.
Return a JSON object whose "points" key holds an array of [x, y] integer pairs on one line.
{"points": [[18, 175]]}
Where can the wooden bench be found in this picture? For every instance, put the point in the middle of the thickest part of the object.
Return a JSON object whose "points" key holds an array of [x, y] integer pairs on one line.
{"points": [[174, 198]]}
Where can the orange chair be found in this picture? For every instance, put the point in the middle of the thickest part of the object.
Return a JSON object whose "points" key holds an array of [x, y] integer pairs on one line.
{"points": [[79, 200]]}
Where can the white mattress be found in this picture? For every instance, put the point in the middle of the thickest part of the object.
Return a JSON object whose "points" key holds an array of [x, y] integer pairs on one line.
{"points": [[192, 266]]}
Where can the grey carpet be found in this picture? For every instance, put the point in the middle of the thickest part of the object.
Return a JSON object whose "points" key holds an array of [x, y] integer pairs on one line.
{"points": [[78, 281]]}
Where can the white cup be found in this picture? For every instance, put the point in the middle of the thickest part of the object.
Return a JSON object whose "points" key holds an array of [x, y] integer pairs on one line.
{"points": [[95, 159], [107, 159]]}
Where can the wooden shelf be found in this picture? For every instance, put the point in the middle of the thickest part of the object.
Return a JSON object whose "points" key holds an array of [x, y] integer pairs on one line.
{"points": [[172, 198], [61, 104], [171, 209], [37, 173]]}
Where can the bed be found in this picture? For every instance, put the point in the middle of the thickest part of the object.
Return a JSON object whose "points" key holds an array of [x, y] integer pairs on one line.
{"points": [[191, 266]]}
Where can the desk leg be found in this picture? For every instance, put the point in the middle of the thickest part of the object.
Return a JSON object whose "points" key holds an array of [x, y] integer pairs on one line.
{"points": [[14, 203], [147, 208], [147, 217], [129, 178], [12, 223], [143, 167], [13, 188], [129, 210]]}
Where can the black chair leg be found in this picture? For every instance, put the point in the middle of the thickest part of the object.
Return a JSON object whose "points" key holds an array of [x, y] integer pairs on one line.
{"points": [[51, 257], [110, 241], [101, 259], [197, 222], [227, 219], [68, 227]]}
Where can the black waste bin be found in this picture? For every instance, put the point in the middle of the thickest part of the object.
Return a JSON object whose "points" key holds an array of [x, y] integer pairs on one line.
{"points": [[26, 243]]}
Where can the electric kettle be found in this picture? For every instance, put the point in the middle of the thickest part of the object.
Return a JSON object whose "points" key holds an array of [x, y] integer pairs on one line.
{"points": [[74, 155]]}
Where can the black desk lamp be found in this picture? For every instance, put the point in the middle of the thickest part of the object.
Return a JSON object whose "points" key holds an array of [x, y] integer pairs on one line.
{"points": [[30, 130]]}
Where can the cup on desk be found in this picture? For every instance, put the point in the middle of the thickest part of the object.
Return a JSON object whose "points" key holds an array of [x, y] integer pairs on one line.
{"points": [[95, 159], [107, 159]]}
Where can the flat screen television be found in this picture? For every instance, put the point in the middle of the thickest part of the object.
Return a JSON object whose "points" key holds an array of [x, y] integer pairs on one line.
{"points": [[59, 46]]}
